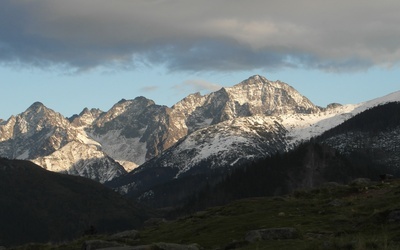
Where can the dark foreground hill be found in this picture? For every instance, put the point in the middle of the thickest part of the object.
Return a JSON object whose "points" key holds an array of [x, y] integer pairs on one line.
{"points": [[360, 215], [39, 206]]}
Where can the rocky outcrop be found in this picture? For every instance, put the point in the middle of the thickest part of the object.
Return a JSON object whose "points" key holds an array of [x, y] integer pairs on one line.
{"points": [[130, 234], [100, 244], [282, 233]]}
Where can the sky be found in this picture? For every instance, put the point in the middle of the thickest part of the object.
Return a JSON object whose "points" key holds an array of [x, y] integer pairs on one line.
{"points": [[92, 53]]}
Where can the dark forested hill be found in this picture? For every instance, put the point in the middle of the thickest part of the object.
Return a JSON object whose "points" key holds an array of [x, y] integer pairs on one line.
{"points": [[371, 137], [40, 206]]}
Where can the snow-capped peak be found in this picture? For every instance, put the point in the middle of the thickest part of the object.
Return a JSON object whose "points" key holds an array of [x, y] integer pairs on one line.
{"points": [[270, 97]]}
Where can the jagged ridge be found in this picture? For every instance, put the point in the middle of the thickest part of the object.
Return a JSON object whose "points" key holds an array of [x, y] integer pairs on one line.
{"points": [[133, 132]]}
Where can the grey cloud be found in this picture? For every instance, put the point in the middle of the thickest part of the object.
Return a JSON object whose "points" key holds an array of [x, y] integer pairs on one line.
{"points": [[193, 35], [149, 88], [197, 85]]}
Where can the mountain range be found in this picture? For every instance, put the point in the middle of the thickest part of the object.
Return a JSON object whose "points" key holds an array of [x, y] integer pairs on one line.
{"points": [[218, 131]]}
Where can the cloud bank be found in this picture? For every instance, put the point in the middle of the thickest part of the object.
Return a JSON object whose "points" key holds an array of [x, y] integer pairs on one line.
{"points": [[197, 85], [192, 35]]}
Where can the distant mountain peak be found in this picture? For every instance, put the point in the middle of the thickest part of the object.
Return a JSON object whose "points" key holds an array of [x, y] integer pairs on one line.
{"points": [[256, 79], [121, 101], [270, 97], [84, 111], [333, 105], [261, 80], [36, 106], [86, 117], [136, 99], [124, 104]]}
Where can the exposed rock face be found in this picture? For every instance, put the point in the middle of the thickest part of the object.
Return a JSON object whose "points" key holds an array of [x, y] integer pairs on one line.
{"points": [[38, 131], [50, 140], [86, 117], [254, 96], [260, 96], [136, 130]]}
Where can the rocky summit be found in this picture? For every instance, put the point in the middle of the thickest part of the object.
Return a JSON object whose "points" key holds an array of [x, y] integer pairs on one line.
{"points": [[47, 138]]}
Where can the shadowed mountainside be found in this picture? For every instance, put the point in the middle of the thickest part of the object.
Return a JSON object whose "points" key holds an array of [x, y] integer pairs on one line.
{"points": [[37, 205]]}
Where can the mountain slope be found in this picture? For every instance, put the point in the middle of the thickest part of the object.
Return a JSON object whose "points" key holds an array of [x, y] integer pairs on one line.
{"points": [[219, 147], [77, 158], [40, 206], [304, 127]]}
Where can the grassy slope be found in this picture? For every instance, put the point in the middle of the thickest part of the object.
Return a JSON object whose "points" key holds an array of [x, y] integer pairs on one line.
{"points": [[358, 219]]}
